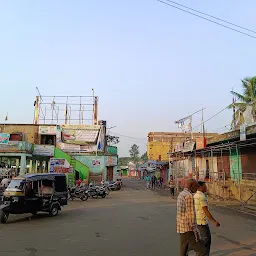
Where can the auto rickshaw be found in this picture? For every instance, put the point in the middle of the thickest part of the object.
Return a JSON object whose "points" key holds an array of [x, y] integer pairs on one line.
{"points": [[33, 193]]}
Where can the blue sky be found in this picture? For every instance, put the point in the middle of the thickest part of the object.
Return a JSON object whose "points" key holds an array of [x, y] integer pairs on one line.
{"points": [[148, 63]]}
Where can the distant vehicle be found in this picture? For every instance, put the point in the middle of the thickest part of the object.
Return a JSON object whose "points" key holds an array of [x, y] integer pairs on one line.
{"points": [[45, 192]]}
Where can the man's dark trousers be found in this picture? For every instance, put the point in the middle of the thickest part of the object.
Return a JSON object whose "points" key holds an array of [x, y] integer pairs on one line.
{"points": [[188, 240], [206, 236]]}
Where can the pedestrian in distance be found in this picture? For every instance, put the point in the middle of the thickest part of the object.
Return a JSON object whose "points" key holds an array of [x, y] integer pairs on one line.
{"points": [[153, 181], [186, 221], [148, 181], [171, 186], [202, 213], [161, 180]]}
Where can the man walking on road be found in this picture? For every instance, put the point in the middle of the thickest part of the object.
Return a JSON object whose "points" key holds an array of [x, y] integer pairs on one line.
{"points": [[171, 186], [202, 212], [153, 181], [186, 221], [148, 181]]}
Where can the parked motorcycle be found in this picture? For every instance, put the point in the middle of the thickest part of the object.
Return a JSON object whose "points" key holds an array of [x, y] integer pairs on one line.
{"points": [[78, 192], [113, 185], [96, 191]]}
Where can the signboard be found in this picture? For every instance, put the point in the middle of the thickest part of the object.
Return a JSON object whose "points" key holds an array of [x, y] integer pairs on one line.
{"points": [[200, 143], [47, 130], [111, 161], [77, 148], [80, 137], [88, 148], [189, 146], [243, 132], [111, 150], [179, 147], [60, 165], [80, 127], [4, 138], [43, 150], [62, 169], [96, 162], [13, 146]]}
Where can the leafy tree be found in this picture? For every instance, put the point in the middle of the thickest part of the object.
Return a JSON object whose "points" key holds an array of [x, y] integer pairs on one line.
{"points": [[144, 157], [247, 98], [112, 140], [123, 161], [134, 153]]}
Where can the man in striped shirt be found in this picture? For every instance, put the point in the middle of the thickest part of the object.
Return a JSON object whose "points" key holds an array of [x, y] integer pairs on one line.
{"points": [[186, 221]]}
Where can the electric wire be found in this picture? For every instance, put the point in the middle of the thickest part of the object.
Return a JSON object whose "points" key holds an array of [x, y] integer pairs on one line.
{"points": [[211, 16], [212, 21]]}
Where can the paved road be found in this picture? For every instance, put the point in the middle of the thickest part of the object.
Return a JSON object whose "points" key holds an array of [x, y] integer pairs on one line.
{"points": [[129, 222]]}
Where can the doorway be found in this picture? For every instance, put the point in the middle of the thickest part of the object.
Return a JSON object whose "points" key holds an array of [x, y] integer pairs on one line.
{"points": [[48, 140], [110, 173]]}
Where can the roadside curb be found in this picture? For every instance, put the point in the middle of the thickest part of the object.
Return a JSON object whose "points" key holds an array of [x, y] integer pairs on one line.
{"points": [[235, 209]]}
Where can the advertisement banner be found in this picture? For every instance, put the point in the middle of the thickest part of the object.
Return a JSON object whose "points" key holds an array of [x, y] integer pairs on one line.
{"points": [[60, 165], [80, 137], [179, 147], [76, 148], [200, 143], [4, 138], [80, 127], [111, 161], [47, 130], [43, 150], [62, 169], [13, 146], [189, 146], [111, 150], [95, 162]]}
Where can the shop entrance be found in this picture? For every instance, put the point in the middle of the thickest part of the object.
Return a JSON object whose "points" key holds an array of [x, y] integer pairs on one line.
{"points": [[48, 140], [110, 173]]}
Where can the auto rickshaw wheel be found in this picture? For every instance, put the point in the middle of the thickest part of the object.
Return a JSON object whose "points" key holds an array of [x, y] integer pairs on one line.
{"points": [[54, 211], [4, 217]]}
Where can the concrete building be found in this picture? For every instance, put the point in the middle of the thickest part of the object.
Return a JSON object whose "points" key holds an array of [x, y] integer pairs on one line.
{"points": [[161, 143], [78, 150], [226, 162]]}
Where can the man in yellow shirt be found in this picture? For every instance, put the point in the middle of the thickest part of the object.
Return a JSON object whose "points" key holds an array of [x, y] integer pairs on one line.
{"points": [[202, 213]]}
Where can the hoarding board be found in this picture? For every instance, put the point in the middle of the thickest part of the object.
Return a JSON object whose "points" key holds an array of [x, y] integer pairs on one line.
{"points": [[43, 150], [60, 165], [66, 147], [189, 146], [47, 130], [111, 150], [200, 143], [111, 161], [4, 138], [179, 147]]}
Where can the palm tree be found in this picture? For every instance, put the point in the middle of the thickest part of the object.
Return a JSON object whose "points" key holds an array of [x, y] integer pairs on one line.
{"points": [[248, 98]]}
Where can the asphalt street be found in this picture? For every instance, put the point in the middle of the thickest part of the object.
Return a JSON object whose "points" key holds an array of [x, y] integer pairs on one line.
{"points": [[133, 221]]}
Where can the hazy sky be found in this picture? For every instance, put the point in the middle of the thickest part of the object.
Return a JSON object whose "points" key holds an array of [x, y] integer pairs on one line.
{"points": [[148, 63]]}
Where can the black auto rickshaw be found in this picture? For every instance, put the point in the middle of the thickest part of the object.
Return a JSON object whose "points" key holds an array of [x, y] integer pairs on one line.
{"points": [[32, 193]]}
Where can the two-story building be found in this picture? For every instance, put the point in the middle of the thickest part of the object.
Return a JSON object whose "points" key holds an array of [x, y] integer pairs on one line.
{"points": [[78, 150]]}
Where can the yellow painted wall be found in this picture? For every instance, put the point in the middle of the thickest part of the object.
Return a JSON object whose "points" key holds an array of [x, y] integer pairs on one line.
{"points": [[158, 148], [30, 131]]}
